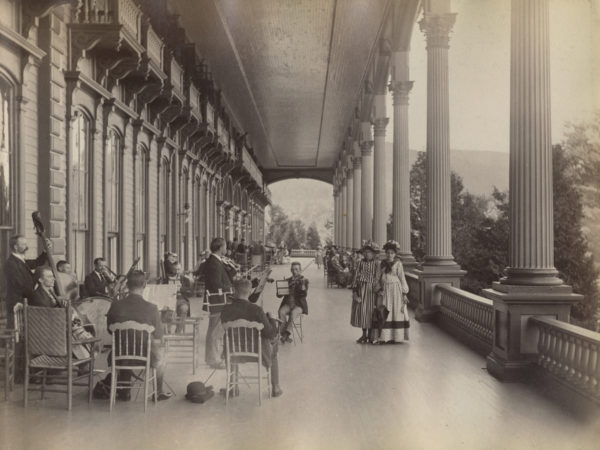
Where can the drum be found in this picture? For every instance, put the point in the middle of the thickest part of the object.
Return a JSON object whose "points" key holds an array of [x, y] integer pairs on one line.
{"points": [[95, 310]]}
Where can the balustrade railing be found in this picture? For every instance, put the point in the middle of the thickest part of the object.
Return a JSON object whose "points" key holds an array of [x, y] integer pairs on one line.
{"points": [[194, 99], [570, 353], [303, 253], [155, 47], [176, 76], [473, 313], [123, 12], [210, 114]]}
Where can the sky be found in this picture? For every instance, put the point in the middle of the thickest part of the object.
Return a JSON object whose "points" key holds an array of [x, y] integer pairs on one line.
{"points": [[479, 69]]}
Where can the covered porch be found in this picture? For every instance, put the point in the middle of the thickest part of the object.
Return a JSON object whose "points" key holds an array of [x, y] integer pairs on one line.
{"points": [[432, 392]]}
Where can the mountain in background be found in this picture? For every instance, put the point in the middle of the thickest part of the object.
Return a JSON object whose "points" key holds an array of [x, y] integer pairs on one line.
{"points": [[312, 201]]}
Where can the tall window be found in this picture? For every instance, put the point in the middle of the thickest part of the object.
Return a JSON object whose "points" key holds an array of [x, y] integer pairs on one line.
{"points": [[163, 205], [184, 211], [79, 187], [140, 202], [113, 194], [6, 167]]}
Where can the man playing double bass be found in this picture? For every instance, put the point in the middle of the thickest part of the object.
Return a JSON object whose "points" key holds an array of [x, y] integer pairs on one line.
{"points": [[18, 278]]}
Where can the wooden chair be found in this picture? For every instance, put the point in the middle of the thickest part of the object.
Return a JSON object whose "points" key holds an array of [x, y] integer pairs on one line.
{"points": [[181, 347], [243, 345], [7, 360], [49, 345], [131, 350]]}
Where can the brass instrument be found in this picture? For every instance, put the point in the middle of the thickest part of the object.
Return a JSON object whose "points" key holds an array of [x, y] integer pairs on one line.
{"points": [[116, 288]]}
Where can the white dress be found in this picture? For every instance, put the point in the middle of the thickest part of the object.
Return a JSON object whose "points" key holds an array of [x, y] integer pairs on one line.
{"points": [[395, 287]]}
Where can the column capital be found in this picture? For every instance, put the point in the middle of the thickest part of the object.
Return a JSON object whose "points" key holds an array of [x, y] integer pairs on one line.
{"points": [[366, 148], [436, 28], [400, 90], [379, 125], [349, 173]]}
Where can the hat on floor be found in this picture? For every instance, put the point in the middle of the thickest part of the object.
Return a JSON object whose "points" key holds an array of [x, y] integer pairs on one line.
{"points": [[198, 393], [370, 245]]}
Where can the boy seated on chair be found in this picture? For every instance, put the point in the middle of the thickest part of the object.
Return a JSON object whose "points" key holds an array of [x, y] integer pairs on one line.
{"points": [[135, 308], [294, 303], [241, 308]]}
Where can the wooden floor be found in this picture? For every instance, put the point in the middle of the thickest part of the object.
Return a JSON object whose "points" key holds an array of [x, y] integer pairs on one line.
{"points": [[429, 393]]}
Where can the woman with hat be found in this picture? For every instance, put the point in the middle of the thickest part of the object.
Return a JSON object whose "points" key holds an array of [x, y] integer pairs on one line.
{"points": [[394, 290], [366, 277]]}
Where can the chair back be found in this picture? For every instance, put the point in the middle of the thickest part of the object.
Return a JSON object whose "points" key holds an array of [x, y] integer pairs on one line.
{"points": [[242, 338], [131, 341], [47, 330], [283, 287], [215, 299], [19, 322]]}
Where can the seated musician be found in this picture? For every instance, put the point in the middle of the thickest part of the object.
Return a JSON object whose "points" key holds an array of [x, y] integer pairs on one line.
{"points": [[97, 282], [241, 308], [343, 269], [68, 280], [135, 308], [294, 303], [170, 263]]}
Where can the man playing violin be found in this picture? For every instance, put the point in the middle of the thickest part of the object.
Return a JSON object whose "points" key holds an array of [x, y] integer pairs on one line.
{"points": [[18, 279], [219, 273], [97, 282], [294, 303]]}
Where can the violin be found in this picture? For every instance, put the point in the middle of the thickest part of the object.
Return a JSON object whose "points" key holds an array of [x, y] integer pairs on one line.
{"points": [[40, 231]]}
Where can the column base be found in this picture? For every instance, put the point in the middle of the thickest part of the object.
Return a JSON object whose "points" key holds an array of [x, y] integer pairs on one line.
{"points": [[429, 277], [408, 261], [515, 343]]}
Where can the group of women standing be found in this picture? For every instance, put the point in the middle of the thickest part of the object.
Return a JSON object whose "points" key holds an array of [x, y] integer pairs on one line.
{"points": [[379, 302]]}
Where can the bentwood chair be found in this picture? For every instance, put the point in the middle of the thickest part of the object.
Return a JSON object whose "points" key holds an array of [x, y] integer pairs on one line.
{"points": [[7, 360], [243, 345], [49, 346], [131, 350]]}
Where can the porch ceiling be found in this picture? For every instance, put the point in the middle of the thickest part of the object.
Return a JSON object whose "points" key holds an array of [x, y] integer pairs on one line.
{"points": [[290, 70]]}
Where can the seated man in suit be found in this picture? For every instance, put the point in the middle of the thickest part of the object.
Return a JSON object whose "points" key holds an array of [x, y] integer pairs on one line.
{"points": [[44, 294], [135, 308], [294, 303], [241, 308], [97, 282]]}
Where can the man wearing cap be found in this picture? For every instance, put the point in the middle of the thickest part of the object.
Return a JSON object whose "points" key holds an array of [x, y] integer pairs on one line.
{"points": [[241, 308]]}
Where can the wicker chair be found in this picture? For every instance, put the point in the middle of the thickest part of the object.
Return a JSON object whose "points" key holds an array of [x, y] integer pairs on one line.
{"points": [[49, 345], [7, 360], [243, 345], [131, 350]]}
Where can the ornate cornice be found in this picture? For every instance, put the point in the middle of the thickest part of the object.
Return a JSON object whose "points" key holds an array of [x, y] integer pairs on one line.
{"points": [[436, 28]]}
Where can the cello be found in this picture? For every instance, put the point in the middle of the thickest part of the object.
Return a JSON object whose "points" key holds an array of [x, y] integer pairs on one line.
{"points": [[40, 231]]}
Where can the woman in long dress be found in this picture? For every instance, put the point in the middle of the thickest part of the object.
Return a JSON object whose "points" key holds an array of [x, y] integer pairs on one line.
{"points": [[394, 290], [366, 276]]}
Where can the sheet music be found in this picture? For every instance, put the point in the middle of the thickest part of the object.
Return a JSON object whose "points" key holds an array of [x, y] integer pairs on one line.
{"points": [[162, 295]]}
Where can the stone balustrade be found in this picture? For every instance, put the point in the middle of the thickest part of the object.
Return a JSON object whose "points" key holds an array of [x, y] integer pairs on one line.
{"points": [[468, 316], [303, 253], [122, 12], [571, 354], [251, 167]]}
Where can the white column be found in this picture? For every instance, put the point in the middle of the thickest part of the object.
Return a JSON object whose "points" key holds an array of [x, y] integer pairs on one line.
{"points": [[439, 233], [356, 212], [366, 195], [349, 207], [343, 212], [379, 171], [401, 167], [336, 217], [531, 250]]}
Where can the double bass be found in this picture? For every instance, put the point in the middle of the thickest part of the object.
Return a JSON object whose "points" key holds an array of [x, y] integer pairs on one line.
{"points": [[40, 231]]}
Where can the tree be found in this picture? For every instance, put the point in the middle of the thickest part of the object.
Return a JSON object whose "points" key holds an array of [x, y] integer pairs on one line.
{"points": [[313, 240], [279, 225], [572, 257]]}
